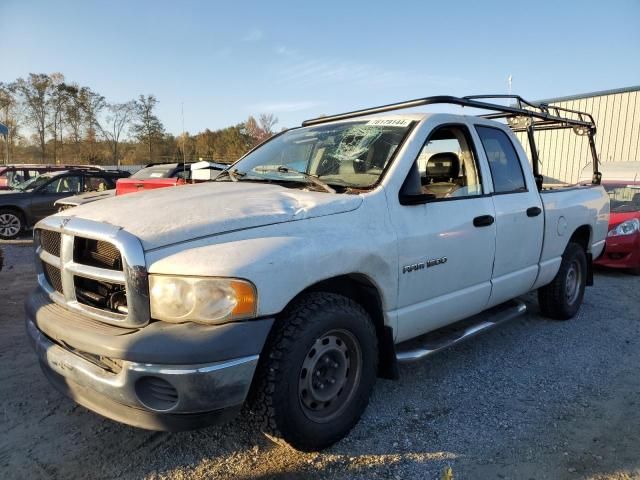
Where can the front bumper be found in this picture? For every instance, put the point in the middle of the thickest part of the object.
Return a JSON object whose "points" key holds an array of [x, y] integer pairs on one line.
{"points": [[156, 396], [621, 252]]}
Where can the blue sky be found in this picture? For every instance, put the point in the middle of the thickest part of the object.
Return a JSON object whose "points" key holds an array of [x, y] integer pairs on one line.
{"points": [[227, 60]]}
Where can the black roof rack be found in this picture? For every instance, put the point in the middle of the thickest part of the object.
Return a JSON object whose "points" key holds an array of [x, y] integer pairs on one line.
{"points": [[521, 115]]}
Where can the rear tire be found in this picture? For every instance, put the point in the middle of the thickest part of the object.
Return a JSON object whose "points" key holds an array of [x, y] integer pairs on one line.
{"points": [[316, 375], [11, 224], [561, 299]]}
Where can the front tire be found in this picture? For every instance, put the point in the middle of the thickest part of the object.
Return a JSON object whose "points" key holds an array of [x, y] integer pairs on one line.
{"points": [[11, 224], [562, 298], [317, 372]]}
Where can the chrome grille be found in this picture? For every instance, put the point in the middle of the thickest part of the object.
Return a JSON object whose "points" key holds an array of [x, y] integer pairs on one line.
{"points": [[93, 267], [97, 253], [50, 241], [53, 276]]}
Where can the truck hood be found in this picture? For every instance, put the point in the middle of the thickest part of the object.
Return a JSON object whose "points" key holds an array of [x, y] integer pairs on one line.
{"points": [[167, 216]]}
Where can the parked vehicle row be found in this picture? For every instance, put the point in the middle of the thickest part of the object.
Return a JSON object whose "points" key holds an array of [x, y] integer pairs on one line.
{"points": [[317, 262], [13, 175], [33, 199], [155, 175], [45, 192]]}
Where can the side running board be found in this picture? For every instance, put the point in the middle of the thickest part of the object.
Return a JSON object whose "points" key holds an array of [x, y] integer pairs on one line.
{"points": [[432, 342]]}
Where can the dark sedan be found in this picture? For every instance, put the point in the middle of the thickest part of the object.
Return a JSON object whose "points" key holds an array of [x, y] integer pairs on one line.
{"points": [[33, 200]]}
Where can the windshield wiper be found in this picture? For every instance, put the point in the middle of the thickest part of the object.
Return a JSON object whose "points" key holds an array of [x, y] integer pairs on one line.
{"points": [[311, 178], [232, 174]]}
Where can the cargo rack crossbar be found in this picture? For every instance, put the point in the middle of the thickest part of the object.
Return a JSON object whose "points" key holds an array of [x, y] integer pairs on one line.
{"points": [[521, 116]]}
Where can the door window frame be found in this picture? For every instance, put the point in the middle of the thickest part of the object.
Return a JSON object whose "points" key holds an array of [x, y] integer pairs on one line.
{"points": [[466, 131], [515, 150]]}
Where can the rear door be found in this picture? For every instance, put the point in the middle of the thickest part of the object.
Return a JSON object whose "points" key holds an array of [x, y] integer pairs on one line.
{"points": [[519, 216]]}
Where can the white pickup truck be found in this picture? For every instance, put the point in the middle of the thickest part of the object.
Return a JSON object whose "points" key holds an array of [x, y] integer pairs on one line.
{"points": [[315, 263]]}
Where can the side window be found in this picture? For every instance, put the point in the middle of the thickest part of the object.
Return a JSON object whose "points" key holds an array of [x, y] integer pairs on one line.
{"points": [[61, 184], [446, 165], [96, 184], [16, 177], [503, 160]]}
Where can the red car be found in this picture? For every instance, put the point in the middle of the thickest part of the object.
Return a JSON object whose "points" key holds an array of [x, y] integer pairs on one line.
{"points": [[623, 242], [160, 175]]}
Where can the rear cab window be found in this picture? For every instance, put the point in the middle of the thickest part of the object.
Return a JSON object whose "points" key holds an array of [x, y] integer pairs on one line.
{"points": [[504, 163]]}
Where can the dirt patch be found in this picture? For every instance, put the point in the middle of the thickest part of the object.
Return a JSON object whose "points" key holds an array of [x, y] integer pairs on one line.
{"points": [[533, 399]]}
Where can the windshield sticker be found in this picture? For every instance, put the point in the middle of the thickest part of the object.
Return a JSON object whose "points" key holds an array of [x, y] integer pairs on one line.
{"points": [[390, 122]]}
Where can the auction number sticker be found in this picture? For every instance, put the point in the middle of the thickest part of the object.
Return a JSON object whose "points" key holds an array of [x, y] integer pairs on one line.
{"points": [[390, 122]]}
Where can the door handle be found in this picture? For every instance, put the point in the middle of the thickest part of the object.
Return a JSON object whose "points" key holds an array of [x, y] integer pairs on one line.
{"points": [[533, 211], [483, 221]]}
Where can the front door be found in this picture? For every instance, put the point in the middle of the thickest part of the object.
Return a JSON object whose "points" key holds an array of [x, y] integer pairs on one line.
{"points": [[60, 186], [446, 246]]}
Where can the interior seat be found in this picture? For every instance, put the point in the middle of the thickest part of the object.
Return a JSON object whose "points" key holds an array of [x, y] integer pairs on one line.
{"points": [[442, 174]]}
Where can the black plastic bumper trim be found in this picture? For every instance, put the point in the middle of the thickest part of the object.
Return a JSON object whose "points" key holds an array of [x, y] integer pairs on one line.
{"points": [[158, 342]]}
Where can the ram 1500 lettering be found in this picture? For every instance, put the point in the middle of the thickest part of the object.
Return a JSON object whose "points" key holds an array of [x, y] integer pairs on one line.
{"points": [[315, 263]]}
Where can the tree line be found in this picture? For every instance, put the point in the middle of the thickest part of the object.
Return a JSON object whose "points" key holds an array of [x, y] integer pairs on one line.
{"points": [[52, 120]]}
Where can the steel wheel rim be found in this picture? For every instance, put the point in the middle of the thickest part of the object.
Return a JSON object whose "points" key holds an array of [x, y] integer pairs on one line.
{"points": [[9, 224], [573, 282], [330, 375]]}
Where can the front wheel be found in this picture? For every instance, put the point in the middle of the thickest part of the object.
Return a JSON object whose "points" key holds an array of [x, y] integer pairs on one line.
{"points": [[11, 224], [317, 372], [561, 299]]}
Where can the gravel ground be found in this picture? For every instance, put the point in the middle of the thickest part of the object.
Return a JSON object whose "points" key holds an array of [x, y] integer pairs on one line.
{"points": [[533, 399]]}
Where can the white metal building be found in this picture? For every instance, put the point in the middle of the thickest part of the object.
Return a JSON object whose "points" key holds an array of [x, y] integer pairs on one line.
{"points": [[563, 154]]}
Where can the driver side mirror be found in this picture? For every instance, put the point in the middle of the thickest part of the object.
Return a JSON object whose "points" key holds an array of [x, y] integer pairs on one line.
{"points": [[411, 191]]}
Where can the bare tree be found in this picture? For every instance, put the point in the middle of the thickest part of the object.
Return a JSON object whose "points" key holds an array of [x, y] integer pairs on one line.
{"points": [[267, 121], [261, 129], [35, 92], [116, 125]]}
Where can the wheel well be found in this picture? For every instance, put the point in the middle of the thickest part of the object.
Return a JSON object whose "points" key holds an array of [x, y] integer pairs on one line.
{"points": [[582, 236], [361, 290], [16, 210]]}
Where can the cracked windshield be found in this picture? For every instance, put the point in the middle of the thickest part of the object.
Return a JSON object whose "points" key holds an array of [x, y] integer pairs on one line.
{"points": [[335, 158]]}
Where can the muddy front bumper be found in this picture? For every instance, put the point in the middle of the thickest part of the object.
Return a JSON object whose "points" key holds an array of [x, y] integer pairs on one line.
{"points": [[621, 252], [181, 392]]}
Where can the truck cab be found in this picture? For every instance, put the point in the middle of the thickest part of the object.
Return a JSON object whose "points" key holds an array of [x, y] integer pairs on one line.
{"points": [[320, 260]]}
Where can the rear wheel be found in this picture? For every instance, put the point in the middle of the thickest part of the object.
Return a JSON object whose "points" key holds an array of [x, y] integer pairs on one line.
{"points": [[317, 373], [11, 224], [561, 299]]}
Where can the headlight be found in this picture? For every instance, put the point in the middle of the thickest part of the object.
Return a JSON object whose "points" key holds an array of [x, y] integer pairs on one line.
{"points": [[625, 228], [201, 299]]}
